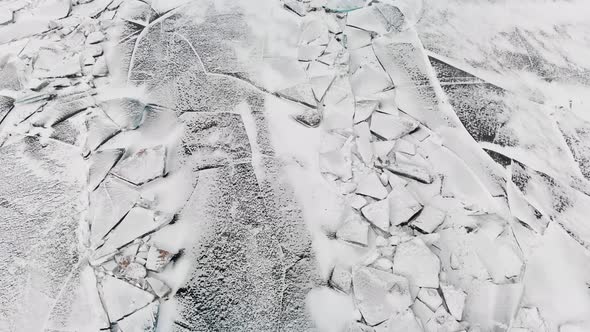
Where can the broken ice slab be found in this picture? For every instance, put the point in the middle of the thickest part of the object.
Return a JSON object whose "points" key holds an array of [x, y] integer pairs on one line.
{"points": [[157, 259], [422, 311], [65, 105], [298, 7], [56, 63], [429, 219], [320, 85], [379, 18], [404, 146], [392, 127], [369, 79], [137, 12], [343, 6], [302, 93], [382, 148], [108, 204], [370, 185], [412, 168], [92, 51], [143, 320], [430, 297], [100, 128], [6, 15], [144, 165], [121, 298], [521, 209], [454, 300], [309, 52], [137, 223], [378, 214], [341, 278], [402, 205], [357, 201], [354, 230], [101, 163], [363, 109], [414, 260], [314, 31], [363, 142], [334, 46], [90, 9], [380, 295], [131, 270], [100, 68], [95, 37], [340, 114], [356, 38], [158, 287]]}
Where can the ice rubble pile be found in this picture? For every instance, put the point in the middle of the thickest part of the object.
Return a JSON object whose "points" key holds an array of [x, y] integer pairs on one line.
{"points": [[54, 74], [435, 256]]}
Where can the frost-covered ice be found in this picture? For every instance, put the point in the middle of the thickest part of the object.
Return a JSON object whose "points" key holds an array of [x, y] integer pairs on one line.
{"points": [[294, 165]]}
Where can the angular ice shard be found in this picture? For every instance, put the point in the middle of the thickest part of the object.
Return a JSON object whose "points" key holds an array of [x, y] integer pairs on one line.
{"points": [[320, 85], [363, 142], [392, 127], [101, 163], [109, 203], [341, 278], [100, 129], [95, 37], [430, 297], [382, 148], [100, 68], [429, 219], [345, 5], [363, 109], [380, 295], [137, 223], [157, 259], [455, 300], [56, 63], [137, 12], [378, 214], [6, 15], [143, 320], [410, 168], [142, 166], [402, 205], [414, 260], [354, 230], [370, 185], [158, 287], [121, 298]]}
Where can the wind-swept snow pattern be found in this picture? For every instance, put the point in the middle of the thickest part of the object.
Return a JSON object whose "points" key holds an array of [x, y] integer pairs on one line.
{"points": [[294, 165]]}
